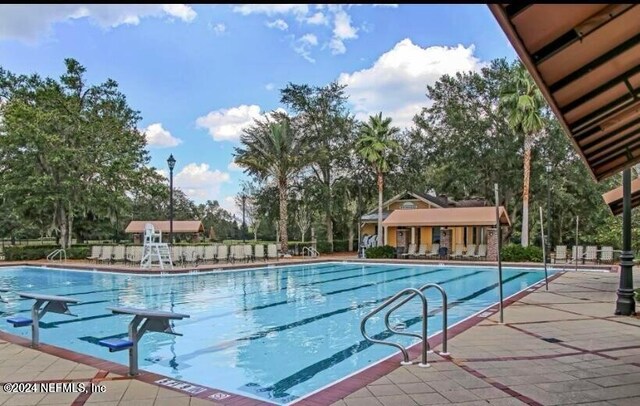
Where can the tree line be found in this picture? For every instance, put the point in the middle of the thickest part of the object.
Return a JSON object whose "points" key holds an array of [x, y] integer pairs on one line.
{"points": [[74, 164]]}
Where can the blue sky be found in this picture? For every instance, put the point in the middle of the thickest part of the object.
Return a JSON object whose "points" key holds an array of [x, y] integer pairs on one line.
{"points": [[200, 73]]}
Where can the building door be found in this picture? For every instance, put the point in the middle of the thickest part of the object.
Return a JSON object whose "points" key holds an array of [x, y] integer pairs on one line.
{"points": [[401, 240]]}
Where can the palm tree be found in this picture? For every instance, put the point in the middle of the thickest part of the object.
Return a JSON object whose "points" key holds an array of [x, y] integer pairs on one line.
{"points": [[522, 101], [378, 146], [273, 151]]}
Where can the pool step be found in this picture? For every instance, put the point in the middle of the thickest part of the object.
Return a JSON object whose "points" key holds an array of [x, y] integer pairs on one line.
{"points": [[19, 321], [116, 344]]}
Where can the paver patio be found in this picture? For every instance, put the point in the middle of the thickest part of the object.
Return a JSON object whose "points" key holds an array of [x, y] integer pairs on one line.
{"points": [[558, 347]]}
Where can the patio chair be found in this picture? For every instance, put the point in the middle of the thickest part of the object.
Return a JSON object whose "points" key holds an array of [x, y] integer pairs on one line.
{"points": [[237, 253], [410, 251], [223, 253], [107, 251], [96, 250], [458, 251], [573, 253], [422, 252], [471, 251], [482, 252], [259, 252], [199, 253], [209, 253], [591, 254], [606, 254], [189, 254], [272, 251], [134, 255], [248, 252], [435, 249], [561, 253], [118, 254], [176, 255]]}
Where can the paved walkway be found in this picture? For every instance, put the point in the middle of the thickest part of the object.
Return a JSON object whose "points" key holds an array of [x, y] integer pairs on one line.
{"points": [[558, 347]]}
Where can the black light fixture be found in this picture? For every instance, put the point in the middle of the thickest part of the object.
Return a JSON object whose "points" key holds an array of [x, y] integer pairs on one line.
{"points": [[171, 161]]}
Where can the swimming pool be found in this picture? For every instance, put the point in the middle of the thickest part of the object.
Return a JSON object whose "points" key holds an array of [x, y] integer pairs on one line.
{"points": [[276, 333]]}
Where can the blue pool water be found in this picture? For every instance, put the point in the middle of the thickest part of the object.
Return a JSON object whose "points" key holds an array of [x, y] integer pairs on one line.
{"points": [[275, 333]]}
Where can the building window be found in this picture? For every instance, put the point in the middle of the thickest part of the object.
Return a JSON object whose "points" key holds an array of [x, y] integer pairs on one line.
{"points": [[435, 235], [408, 205]]}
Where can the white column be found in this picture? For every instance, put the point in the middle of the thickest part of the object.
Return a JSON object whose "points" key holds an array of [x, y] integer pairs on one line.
{"points": [[413, 235], [386, 235]]}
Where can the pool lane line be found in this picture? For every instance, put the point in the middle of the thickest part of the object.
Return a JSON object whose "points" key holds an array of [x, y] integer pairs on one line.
{"points": [[301, 322], [280, 387]]}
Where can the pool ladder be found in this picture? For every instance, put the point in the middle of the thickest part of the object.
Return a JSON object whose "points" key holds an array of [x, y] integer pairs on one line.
{"points": [[60, 253], [412, 292]]}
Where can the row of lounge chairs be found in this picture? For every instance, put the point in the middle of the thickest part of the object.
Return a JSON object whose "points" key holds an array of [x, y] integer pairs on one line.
{"points": [[186, 255], [588, 253], [471, 251]]}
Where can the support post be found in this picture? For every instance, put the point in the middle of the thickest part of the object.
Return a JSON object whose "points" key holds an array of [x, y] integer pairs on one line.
{"points": [[499, 232], [625, 304], [544, 251], [577, 239], [133, 350]]}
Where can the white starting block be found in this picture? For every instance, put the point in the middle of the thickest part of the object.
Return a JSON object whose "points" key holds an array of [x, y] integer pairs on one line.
{"points": [[52, 304], [154, 320]]}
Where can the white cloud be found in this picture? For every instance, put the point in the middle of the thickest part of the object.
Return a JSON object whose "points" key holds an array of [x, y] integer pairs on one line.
{"points": [[29, 22], [233, 166], [397, 81], [227, 124], [270, 86], [386, 5], [272, 9], [229, 204], [279, 24], [219, 28], [337, 46], [317, 19], [342, 27], [159, 137], [303, 45], [199, 182]]}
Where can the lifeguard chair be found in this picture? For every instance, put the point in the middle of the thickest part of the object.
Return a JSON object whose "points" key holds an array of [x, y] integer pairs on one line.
{"points": [[154, 251]]}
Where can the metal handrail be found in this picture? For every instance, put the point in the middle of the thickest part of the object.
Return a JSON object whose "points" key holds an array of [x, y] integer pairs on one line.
{"points": [[312, 252], [405, 353], [60, 252], [444, 317]]}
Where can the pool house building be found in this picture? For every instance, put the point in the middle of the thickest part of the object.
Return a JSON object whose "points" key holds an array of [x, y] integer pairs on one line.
{"points": [[425, 219]]}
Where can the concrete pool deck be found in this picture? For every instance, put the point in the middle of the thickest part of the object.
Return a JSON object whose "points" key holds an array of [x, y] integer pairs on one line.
{"points": [[558, 347]]}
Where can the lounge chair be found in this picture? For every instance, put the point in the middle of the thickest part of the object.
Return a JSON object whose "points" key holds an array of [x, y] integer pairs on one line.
{"points": [[580, 252], [106, 255], [591, 253], [482, 252], [422, 252], [561, 253], [134, 255], [176, 255], [272, 251], [189, 254], [118, 254], [223, 253], [199, 253], [435, 249], [458, 252], [209, 253], [248, 253], [471, 251], [606, 254], [410, 251], [259, 252], [96, 250]]}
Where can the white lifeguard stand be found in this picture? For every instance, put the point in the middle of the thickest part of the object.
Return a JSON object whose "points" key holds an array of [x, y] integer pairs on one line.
{"points": [[155, 252]]}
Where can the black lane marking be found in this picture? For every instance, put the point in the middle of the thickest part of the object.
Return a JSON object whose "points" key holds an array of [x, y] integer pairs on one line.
{"points": [[263, 333], [279, 388]]}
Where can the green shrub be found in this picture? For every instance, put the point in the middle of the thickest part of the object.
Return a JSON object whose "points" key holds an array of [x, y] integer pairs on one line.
{"points": [[33, 252], [518, 253], [386, 251]]}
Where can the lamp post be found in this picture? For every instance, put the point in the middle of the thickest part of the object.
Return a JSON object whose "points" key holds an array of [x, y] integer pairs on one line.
{"points": [[549, 244], [244, 237], [171, 161], [626, 305]]}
